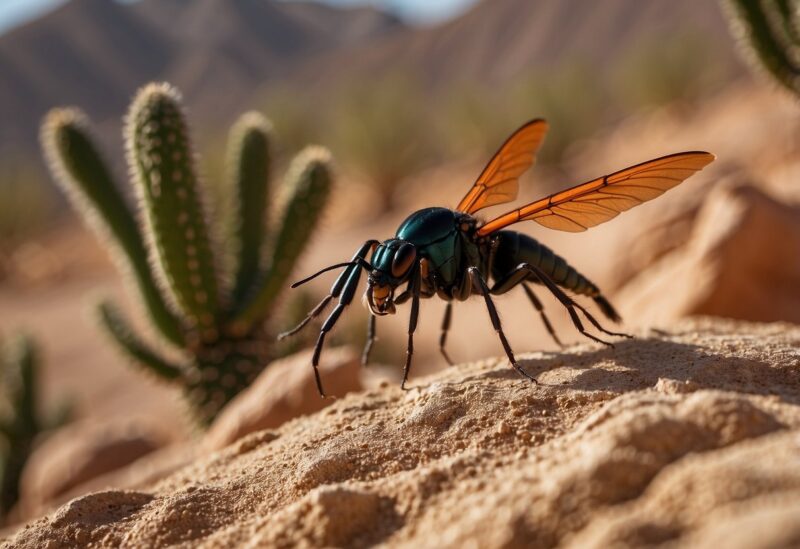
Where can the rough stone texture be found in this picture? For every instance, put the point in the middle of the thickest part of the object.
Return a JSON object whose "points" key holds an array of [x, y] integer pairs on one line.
{"points": [[81, 452], [690, 438], [739, 260], [284, 391]]}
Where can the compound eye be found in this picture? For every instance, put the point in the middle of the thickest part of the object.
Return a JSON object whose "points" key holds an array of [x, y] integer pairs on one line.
{"points": [[403, 259]]}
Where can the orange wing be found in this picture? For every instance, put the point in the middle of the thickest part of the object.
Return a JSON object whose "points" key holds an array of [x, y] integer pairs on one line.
{"points": [[499, 181], [601, 199]]}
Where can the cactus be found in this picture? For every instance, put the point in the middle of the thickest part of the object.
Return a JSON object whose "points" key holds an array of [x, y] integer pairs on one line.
{"points": [[212, 310], [20, 420], [769, 32]]}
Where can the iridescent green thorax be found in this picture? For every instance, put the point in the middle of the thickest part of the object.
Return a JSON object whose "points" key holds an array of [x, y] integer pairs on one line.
{"points": [[437, 234]]}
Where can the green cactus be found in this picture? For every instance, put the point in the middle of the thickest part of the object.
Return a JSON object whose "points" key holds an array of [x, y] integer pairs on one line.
{"points": [[20, 420], [213, 311], [249, 160], [769, 31]]}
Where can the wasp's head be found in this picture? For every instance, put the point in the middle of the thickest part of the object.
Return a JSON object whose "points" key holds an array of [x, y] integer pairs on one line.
{"points": [[392, 262]]}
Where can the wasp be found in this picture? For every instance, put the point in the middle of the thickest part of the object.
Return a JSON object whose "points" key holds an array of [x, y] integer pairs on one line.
{"points": [[451, 254]]}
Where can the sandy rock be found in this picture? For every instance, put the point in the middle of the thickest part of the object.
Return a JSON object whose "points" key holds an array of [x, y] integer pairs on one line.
{"points": [[691, 439], [284, 391], [81, 452], [144, 471], [741, 261]]}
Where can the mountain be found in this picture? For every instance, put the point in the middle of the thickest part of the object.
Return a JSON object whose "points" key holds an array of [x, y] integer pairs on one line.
{"points": [[500, 40], [90, 52], [96, 53]]}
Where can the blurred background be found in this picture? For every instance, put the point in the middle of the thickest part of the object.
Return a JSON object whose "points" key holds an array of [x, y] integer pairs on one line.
{"points": [[412, 98]]}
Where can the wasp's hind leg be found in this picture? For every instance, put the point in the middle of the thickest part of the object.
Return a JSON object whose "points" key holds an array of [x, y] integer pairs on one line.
{"points": [[522, 272], [539, 307], [480, 284]]}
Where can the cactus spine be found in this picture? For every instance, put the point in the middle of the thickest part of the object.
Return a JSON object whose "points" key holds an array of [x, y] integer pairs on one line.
{"points": [[769, 31], [219, 328]]}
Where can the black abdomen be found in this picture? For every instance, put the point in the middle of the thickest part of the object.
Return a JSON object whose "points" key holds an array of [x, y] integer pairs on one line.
{"points": [[515, 248]]}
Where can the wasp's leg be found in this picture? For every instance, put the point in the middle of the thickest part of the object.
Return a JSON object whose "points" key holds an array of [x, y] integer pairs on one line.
{"points": [[370, 340], [314, 313], [358, 262], [562, 296], [412, 324], [521, 273], [480, 283], [448, 313], [406, 294], [539, 307], [518, 277], [346, 286], [402, 297], [346, 298]]}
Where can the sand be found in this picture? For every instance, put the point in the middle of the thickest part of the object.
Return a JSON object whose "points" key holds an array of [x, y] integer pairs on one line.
{"points": [[687, 438]]}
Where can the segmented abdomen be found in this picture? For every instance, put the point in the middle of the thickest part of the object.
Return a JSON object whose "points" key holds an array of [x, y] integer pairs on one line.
{"points": [[515, 248]]}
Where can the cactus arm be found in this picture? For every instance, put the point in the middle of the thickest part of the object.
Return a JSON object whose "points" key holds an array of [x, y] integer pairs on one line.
{"points": [[249, 161], [751, 20], [128, 341], [789, 12], [20, 365], [84, 176], [160, 157], [308, 183], [26, 355]]}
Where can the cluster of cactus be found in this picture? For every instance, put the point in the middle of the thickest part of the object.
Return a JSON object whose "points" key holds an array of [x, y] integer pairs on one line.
{"points": [[207, 293], [769, 31], [20, 419]]}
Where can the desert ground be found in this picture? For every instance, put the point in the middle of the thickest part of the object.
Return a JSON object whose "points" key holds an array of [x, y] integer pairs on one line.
{"points": [[687, 438]]}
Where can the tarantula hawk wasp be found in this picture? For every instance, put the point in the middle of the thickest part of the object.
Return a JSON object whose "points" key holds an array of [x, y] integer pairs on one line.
{"points": [[451, 254]]}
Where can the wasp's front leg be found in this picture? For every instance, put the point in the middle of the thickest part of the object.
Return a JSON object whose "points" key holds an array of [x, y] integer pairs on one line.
{"points": [[358, 261], [414, 286], [344, 288], [371, 337]]}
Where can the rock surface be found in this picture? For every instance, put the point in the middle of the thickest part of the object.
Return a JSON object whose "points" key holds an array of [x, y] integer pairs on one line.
{"points": [[81, 452], [739, 260], [690, 438], [284, 391]]}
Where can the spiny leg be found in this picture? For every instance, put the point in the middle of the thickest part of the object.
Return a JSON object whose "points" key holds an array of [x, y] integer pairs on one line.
{"points": [[564, 298], [349, 290], [345, 288], [480, 283], [412, 323], [539, 307], [314, 313], [357, 262], [521, 273], [370, 340], [406, 294], [448, 312]]}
